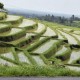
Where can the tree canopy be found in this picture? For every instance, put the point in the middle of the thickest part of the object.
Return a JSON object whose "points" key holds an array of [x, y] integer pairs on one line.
{"points": [[1, 5]]}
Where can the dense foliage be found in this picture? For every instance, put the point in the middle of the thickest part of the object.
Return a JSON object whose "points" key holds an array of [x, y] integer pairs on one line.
{"points": [[1, 5], [62, 20]]}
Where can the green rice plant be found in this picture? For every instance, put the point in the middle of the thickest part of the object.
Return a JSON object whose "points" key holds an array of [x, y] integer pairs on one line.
{"points": [[12, 35], [5, 27], [74, 37], [77, 32], [15, 54], [32, 27], [28, 25], [10, 60], [50, 33], [64, 55], [44, 59], [76, 61], [4, 49], [3, 15], [73, 65], [64, 38], [59, 43], [36, 44], [25, 44], [51, 51], [30, 58], [12, 19], [5, 44], [55, 61], [43, 31], [75, 56], [22, 42]]}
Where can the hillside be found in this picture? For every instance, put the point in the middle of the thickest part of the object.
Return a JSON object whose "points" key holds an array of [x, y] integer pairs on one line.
{"points": [[26, 42]]}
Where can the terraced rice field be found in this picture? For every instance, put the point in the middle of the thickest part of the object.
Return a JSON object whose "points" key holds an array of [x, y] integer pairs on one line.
{"points": [[70, 38], [33, 43], [23, 58], [42, 48]]}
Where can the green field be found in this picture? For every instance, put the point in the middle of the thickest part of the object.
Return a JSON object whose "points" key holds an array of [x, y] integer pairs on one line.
{"points": [[30, 47]]}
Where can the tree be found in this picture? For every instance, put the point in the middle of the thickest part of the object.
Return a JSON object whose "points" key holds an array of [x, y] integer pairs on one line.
{"points": [[52, 17], [1, 5], [73, 17]]}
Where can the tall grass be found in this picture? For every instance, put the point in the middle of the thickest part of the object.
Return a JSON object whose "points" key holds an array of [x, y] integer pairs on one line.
{"points": [[36, 71]]}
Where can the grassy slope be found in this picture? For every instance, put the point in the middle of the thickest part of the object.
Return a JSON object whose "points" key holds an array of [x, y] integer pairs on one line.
{"points": [[36, 71]]}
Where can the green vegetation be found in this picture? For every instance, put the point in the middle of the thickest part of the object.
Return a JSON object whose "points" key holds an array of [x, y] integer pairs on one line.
{"points": [[4, 27], [36, 71], [73, 21], [3, 15], [38, 48], [28, 24], [1, 5], [12, 19], [11, 35]]}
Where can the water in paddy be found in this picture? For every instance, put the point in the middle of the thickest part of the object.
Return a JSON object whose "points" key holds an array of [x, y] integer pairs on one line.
{"points": [[41, 27], [8, 55], [60, 36], [3, 26], [76, 32], [49, 32], [23, 58], [11, 32], [24, 38], [29, 34], [6, 63], [44, 47], [38, 60], [12, 18], [77, 36], [42, 38], [75, 55], [26, 23], [63, 49], [71, 39], [73, 68], [67, 29]]}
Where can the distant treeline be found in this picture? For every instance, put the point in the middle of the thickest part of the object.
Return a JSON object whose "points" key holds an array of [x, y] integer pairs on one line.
{"points": [[58, 19], [71, 21]]}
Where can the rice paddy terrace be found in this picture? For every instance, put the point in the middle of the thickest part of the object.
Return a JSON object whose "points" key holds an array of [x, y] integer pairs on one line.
{"points": [[29, 42]]}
